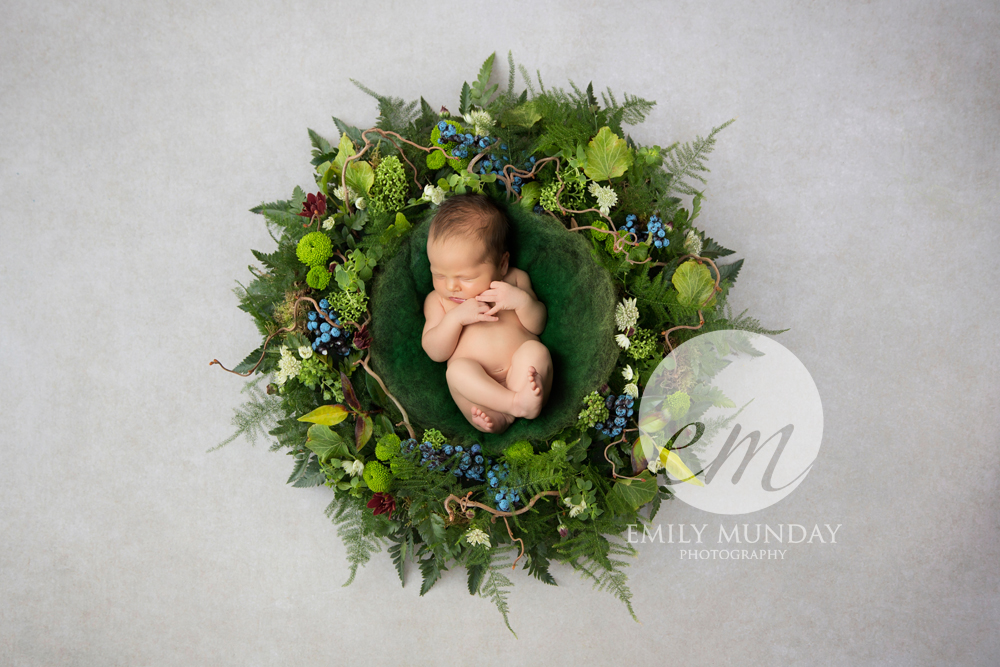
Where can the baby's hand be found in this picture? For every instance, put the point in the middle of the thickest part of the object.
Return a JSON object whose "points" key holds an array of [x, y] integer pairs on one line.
{"points": [[504, 296], [471, 311]]}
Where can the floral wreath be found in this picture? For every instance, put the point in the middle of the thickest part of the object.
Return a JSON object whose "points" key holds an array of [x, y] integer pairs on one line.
{"points": [[569, 498]]}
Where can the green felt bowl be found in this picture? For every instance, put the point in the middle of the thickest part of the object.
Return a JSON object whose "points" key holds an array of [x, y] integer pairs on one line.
{"points": [[579, 294]]}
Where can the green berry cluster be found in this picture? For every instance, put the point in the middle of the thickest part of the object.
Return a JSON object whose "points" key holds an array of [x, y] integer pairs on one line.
{"points": [[435, 437], [388, 192], [349, 305], [573, 195], [594, 410], [642, 344], [314, 249], [377, 477], [316, 373]]}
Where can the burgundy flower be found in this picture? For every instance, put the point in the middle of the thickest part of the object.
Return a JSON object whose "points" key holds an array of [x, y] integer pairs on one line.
{"points": [[363, 338], [315, 205], [382, 503]]}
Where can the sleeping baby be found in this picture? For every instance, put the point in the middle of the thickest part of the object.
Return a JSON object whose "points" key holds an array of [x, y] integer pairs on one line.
{"points": [[483, 318]]}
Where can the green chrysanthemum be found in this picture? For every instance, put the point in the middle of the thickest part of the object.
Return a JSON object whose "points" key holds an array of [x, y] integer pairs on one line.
{"points": [[314, 249], [642, 344], [377, 477], [388, 193], [387, 447], [318, 277], [520, 452], [679, 403]]}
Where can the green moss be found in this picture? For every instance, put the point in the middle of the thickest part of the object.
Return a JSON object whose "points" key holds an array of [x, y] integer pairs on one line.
{"points": [[520, 452]]}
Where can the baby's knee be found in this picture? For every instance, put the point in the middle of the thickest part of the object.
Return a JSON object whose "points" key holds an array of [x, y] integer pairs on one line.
{"points": [[535, 352], [459, 367]]}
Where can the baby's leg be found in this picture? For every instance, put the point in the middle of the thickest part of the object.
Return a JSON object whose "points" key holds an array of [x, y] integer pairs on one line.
{"points": [[530, 378], [477, 394]]}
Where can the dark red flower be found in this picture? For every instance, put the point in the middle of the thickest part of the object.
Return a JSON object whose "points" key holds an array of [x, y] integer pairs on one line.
{"points": [[315, 205], [382, 503], [363, 338]]}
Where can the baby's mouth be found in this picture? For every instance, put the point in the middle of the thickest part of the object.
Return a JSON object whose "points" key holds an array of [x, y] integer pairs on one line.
{"points": [[456, 299]]}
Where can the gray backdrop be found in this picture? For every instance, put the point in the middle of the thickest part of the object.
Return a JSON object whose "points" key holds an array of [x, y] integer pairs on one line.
{"points": [[859, 182]]}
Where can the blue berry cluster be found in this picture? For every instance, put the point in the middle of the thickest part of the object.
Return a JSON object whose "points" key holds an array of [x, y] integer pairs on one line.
{"points": [[619, 410], [504, 497], [632, 226], [466, 141], [655, 227], [325, 337], [454, 459]]}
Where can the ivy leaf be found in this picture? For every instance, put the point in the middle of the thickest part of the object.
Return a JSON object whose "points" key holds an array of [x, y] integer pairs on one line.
{"points": [[344, 151], [328, 415], [524, 115], [608, 156], [326, 443], [360, 177], [349, 396], [694, 285], [362, 431], [635, 493]]}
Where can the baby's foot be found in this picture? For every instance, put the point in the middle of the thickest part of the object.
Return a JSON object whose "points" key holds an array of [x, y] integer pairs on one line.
{"points": [[528, 401], [485, 423]]}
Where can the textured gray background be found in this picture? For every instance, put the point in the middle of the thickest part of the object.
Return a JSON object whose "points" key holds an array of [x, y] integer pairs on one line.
{"points": [[859, 181]]}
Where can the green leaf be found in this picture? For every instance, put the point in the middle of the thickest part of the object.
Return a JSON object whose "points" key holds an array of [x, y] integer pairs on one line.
{"points": [[431, 572], [363, 431], [694, 285], [476, 572], [328, 415], [524, 115], [608, 156], [466, 101], [360, 177], [530, 192], [635, 493], [327, 443], [344, 150]]}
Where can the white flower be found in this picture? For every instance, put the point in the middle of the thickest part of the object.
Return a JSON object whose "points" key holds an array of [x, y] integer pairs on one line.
{"points": [[632, 390], [692, 243], [305, 352], [481, 120], [575, 510], [476, 536], [628, 374], [433, 194], [353, 468], [622, 341], [604, 194], [288, 366], [654, 465], [345, 193], [328, 223], [360, 203], [626, 315]]}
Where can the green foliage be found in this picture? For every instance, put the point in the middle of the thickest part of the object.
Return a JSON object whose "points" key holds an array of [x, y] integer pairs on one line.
{"points": [[388, 193], [394, 113], [687, 161], [255, 416], [363, 533], [496, 581]]}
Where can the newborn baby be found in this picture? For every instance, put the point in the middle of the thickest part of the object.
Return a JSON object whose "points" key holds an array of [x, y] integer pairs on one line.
{"points": [[483, 318]]}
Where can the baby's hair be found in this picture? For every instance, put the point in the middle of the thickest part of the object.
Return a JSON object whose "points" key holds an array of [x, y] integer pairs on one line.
{"points": [[475, 216]]}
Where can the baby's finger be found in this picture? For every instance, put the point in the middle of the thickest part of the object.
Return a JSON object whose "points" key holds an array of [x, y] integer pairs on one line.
{"points": [[493, 310]]}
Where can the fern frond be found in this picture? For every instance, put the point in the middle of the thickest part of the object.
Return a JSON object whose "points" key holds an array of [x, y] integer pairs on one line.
{"points": [[687, 160], [255, 417], [355, 529], [496, 584], [394, 113]]}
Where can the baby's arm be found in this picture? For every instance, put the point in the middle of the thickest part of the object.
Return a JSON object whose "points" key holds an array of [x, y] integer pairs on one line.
{"points": [[532, 312], [441, 332]]}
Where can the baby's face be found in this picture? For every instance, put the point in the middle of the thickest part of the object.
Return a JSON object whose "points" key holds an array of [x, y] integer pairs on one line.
{"points": [[456, 270]]}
